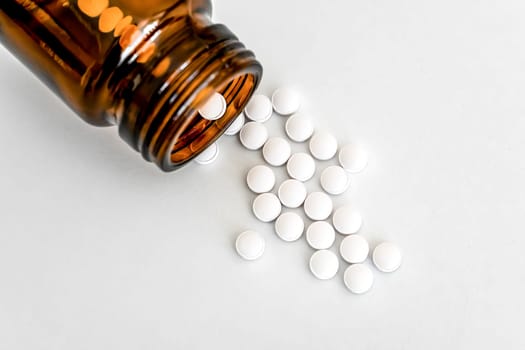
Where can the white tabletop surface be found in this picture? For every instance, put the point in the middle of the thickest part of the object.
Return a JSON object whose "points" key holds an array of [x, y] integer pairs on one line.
{"points": [[100, 250]]}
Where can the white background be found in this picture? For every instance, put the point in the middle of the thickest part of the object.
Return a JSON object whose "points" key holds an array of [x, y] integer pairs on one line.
{"points": [[100, 250]]}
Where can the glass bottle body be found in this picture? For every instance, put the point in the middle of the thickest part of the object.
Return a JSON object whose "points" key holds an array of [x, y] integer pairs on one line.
{"points": [[145, 66]]}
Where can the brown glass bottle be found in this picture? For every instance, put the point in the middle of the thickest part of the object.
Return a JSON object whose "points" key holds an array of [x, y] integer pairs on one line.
{"points": [[145, 66]]}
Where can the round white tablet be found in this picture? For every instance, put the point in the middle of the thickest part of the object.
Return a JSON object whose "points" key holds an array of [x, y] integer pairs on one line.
{"points": [[324, 264], [299, 127], [289, 227], [276, 151], [347, 220], [353, 158], [209, 155], [214, 108], [253, 135], [318, 206], [334, 180], [320, 235], [323, 145], [354, 249], [301, 166], [292, 193], [358, 278], [236, 126], [266, 207], [259, 109], [250, 245], [387, 257], [260, 179], [286, 101]]}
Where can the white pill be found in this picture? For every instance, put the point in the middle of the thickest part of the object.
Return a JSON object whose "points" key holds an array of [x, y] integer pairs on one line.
{"points": [[358, 278], [236, 126], [323, 145], [387, 257], [292, 193], [318, 206], [334, 180], [320, 235], [299, 128], [324, 264], [347, 220], [209, 155], [250, 245], [286, 101], [289, 227], [266, 207], [301, 166], [253, 135], [259, 109], [353, 158], [276, 151], [354, 249], [260, 179], [214, 108]]}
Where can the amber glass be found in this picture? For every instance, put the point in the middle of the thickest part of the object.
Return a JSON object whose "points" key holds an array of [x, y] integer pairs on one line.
{"points": [[143, 65]]}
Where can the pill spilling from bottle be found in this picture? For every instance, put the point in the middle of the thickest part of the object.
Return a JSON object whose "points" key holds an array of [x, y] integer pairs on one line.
{"points": [[320, 222]]}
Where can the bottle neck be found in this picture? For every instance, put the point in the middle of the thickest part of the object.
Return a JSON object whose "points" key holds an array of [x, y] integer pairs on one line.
{"points": [[166, 75]]}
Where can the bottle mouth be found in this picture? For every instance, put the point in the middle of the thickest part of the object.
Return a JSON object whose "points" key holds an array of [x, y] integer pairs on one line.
{"points": [[161, 119], [185, 134]]}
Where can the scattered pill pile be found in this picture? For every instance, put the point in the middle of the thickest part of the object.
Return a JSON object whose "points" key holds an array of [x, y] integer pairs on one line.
{"points": [[292, 193], [277, 152]]}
